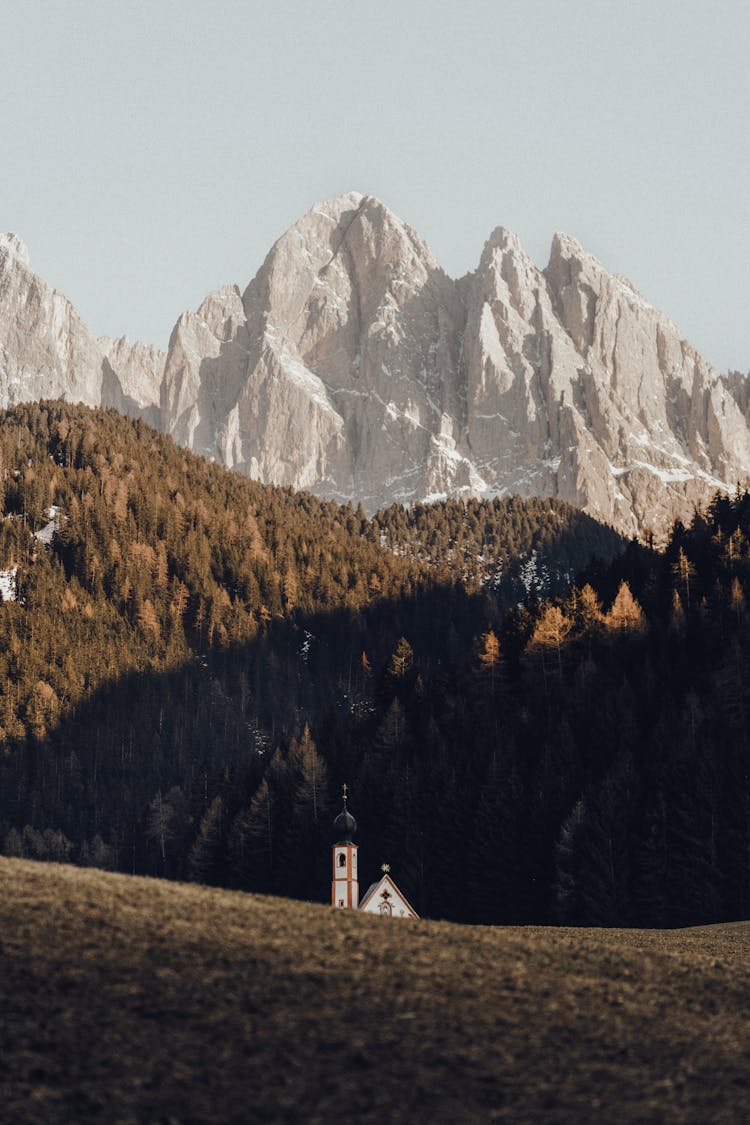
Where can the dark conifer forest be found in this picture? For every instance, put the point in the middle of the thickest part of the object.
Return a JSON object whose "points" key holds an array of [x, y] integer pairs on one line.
{"points": [[537, 721]]}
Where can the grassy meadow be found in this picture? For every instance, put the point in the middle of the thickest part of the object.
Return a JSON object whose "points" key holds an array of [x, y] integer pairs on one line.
{"points": [[126, 1000]]}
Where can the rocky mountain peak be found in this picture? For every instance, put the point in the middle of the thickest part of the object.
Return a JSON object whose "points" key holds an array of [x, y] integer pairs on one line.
{"points": [[506, 274], [565, 246], [353, 234], [501, 239], [12, 246]]}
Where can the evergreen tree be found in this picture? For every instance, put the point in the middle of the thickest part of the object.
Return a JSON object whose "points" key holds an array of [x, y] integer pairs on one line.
{"points": [[625, 614], [251, 846], [159, 825], [205, 862], [593, 855]]}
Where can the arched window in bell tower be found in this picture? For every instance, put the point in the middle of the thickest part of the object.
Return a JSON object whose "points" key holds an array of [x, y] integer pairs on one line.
{"points": [[342, 859]]}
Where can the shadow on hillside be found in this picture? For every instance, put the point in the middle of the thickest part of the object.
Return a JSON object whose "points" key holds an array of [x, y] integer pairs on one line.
{"points": [[493, 790], [225, 710], [214, 722]]}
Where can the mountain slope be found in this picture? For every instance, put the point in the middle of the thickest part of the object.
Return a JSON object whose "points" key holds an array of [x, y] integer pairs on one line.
{"points": [[124, 556], [157, 556], [352, 365], [46, 351], [134, 999]]}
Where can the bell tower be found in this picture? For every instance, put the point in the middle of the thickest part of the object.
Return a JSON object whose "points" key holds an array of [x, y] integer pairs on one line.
{"points": [[345, 885]]}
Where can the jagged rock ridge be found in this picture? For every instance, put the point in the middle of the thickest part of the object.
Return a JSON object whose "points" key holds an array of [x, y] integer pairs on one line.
{"points": [[353, 365]]}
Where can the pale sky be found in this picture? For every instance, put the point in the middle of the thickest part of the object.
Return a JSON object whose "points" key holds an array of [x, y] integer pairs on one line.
{"points": [[153, 151]]}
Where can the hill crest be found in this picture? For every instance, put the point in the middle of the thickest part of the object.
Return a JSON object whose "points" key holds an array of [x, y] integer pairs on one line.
{"points": [[181, 1001]]}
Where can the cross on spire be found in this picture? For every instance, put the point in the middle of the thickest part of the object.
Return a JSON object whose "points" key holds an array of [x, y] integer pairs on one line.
{"points": [[345, 791]]}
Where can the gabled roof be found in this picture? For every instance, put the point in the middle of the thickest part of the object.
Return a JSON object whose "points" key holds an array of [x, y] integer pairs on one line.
{"points": [[374, 888]]}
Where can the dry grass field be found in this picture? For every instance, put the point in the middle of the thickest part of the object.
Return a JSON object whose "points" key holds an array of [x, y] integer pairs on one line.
{"points": [[136, 1000]]}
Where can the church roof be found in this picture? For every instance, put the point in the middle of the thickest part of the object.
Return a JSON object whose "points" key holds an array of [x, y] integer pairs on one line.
{"points": [[374, 888], [345, 826]]}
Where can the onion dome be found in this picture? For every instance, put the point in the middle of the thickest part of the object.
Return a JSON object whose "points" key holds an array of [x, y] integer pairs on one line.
{"points": [[345, 826]]}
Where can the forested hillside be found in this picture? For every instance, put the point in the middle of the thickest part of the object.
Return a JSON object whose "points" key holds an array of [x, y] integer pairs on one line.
{"points": [[196, 662], [515, 547]]}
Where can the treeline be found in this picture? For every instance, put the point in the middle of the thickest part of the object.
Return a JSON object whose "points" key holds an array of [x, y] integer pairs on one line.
{"points": [[195, 666]]}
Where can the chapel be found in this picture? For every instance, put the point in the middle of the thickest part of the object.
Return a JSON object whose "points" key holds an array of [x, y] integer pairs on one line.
{"points": [[383, 897]]}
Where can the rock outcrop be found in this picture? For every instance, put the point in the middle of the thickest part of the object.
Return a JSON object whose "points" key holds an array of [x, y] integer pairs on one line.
{"points": [[138, 371], [352, 365]]}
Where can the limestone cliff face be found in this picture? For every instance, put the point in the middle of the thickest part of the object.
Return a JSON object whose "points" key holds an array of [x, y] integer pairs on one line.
{"points": [[337, 370], [667, 423], [46, 350], [354, 366], [139, 372]]}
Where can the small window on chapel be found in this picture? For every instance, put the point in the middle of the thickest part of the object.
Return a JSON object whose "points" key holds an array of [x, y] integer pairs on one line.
{"points": [[342, 859]]}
